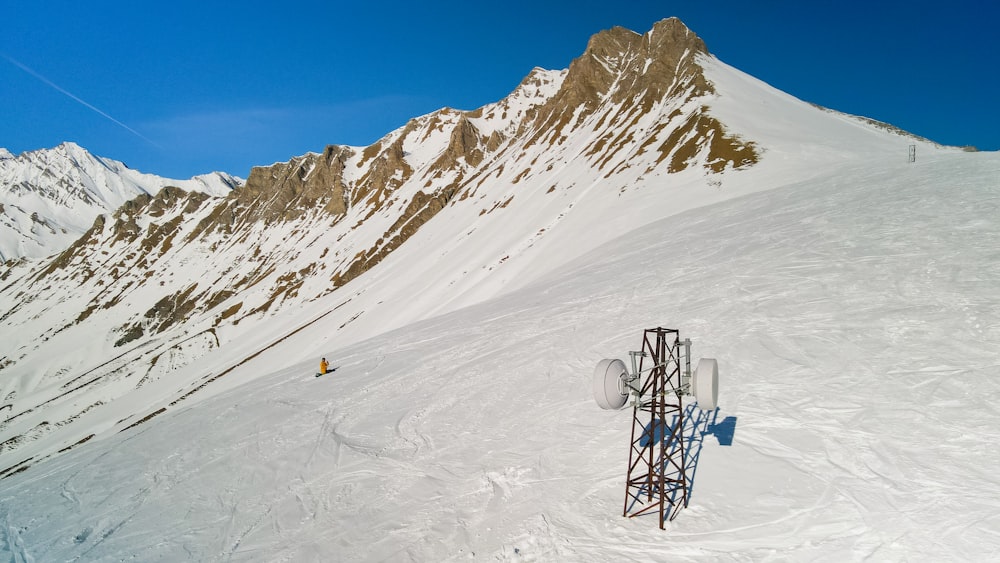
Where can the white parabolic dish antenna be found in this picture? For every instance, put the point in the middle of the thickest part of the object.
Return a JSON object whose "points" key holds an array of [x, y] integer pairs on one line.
{"points": [[705, 384], [610, 391]]}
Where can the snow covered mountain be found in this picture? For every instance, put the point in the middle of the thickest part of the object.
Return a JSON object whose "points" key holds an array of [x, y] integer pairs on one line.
{"points": [[465, 273], [49, 197]]}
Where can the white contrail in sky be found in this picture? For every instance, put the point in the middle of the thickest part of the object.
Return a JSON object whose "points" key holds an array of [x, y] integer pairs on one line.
{"points": [[30, 71]]}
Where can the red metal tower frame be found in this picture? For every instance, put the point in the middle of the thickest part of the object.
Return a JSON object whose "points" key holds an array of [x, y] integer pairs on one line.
{"points": [[656, 479]]}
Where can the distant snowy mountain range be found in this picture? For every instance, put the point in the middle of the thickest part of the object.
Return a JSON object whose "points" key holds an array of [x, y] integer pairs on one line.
{"points": [[464, 272], [49, 197]]}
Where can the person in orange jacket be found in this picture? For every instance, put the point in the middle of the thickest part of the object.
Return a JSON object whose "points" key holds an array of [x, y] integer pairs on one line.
{"points": [[323, 366]]}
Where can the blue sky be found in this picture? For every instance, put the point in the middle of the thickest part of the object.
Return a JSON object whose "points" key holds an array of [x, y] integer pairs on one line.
{"points": [[182, 88]]}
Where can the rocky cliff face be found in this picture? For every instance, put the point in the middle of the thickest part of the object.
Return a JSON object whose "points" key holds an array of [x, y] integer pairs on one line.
{"points": [[172, 275], [624, 76]]}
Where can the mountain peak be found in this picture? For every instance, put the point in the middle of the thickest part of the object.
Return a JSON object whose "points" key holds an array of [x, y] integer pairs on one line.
{"points": [[63, 149], [657, 63], [672, 31], [623, 75], [70, 146], [668, 39]]}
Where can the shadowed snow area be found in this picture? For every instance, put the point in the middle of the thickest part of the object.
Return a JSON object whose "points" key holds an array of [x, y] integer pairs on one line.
{"points": [[855, 318]]}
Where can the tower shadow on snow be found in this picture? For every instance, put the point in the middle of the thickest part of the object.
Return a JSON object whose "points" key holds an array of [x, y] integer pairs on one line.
{"points": [[697, 424]]}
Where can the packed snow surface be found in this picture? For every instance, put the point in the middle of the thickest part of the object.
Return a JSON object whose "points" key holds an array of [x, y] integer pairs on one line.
{"points": [[855, 316]]}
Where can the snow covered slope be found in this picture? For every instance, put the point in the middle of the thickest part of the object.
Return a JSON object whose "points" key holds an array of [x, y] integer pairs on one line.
{"points": [[49, 197], [855, 314]]}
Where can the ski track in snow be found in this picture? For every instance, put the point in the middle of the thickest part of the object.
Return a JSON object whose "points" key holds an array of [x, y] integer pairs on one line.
{"points": [[855, 319]]}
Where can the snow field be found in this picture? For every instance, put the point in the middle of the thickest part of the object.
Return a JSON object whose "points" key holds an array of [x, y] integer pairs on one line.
{"points": [[855, 319]]}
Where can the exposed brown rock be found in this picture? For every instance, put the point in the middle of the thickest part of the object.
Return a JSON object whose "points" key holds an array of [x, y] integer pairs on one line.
{"points": [[465, 143], [387, 172], [284, 191], [658, 65], [66, 256], [420, 210]]}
